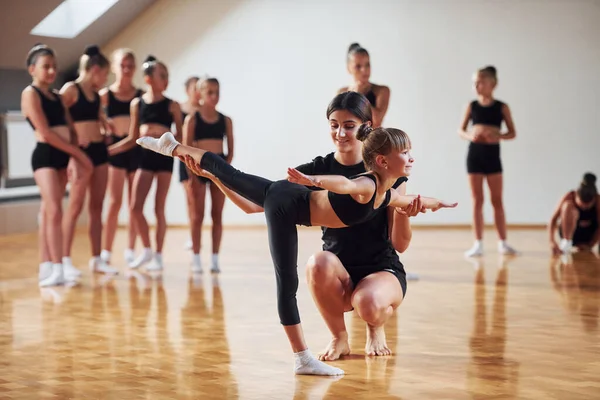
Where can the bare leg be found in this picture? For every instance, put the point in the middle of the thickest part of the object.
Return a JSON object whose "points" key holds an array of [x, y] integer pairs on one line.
{"points": [[130, 225], [197, 196], [495, 185], [375, 299], [97, 191], [141, 187], [569, 215], [163, 181], [116, 181], [76, 198], [331, 289], [476, 183]]}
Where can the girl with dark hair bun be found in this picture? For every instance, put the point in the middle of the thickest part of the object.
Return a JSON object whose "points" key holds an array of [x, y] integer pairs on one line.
{"points": [[83, 102], [577, 218], [48, 117], [359, 66], [152, 114], [116, 100]]}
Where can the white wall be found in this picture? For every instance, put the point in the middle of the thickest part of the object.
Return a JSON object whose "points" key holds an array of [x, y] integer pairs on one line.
{"points": [[280, 63]]}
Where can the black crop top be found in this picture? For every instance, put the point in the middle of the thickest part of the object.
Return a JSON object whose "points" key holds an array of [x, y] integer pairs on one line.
{"points": [[117, 107], [156, 113], [351, 212], [83, 109], [52, 109], [205, 130], [487, 115]]}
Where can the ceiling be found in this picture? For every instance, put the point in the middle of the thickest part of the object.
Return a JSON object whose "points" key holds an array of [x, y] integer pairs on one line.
{"points": [[19, 17]]}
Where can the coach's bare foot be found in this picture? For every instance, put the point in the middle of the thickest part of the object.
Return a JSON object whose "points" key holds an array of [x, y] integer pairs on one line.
{"points": [[376, 345], [336, 348]]}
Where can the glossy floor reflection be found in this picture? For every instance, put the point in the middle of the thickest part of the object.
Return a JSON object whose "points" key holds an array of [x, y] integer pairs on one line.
{"points": [[500, 328]]}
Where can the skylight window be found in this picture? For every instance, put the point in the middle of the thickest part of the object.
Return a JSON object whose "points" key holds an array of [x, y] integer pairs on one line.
{"points": [[71, 17]]}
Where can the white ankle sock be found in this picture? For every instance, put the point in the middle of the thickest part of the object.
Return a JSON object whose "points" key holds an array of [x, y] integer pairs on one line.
{"points": [[196, 263], [45, 270], [306, 364], [476, 250], [67, 261], [165, 145], [105, 255]]}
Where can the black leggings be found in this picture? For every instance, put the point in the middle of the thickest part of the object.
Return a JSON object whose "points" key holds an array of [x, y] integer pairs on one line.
{"points": [[286, 205]]}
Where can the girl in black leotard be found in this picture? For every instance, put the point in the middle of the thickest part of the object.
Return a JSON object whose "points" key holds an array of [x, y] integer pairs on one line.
{"points": [[359, 66], [152, 114], [47, 115], [83, 101], [577, 218], [344, 202], [116, 100]]}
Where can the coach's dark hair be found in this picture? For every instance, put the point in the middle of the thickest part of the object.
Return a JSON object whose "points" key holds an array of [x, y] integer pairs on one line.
{"points": [[587, 191], [92, 57], [37, 51], [353, 102]]}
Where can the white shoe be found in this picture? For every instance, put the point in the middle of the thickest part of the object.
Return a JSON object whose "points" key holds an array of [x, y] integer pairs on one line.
{"points": [[165, 145], [156, 264], [142, 259], [55, 278], [476, 250], [504, 248], [97, 265], [566, 246], [214, 268], [45, 270], [129, 256], [196, 264], [105, 256]]}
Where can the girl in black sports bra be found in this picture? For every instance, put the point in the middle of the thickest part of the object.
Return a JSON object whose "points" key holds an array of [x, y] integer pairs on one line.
{"points": [[288, 203], [47, 116], [207, 129], [116, 100], [188, 107], [83, 102], [152, 114], [359, 66]]}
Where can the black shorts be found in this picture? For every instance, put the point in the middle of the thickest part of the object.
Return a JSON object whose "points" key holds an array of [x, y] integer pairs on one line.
{"points": [[484, 159], [47, 156], [358, 273], [155, 162], [581, 235], [184, 176], [127, 160], [97, 152]]}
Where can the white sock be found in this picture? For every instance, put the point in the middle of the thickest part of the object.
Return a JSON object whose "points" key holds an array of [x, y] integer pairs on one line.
{"points": [[67, 261], [306, 364], [165, 145], [105, 255], [129, 255], [214, 267], [143, 258], [196, 263], [476, 250], [45, 270]]}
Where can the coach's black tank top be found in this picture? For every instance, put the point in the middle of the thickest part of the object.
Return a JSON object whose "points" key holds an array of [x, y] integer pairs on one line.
{"points": [[156, 113], [351, 212], [487, 115], [83, 109], [590, 216], [52, 109], [117, 107], [371, 97]]}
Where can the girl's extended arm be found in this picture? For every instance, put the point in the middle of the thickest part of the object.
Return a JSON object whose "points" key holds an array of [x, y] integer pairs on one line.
{"points": [[334, 183], [429, 203]]}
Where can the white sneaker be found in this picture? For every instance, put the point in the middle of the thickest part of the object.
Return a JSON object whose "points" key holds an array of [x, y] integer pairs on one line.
{"points": [[45, 270], [142, 259], [97, 265], [566, 246], [156, 264], [105, 256], [129, 256], [504, 248], [476, 250], [55, 278], [196, 264]]}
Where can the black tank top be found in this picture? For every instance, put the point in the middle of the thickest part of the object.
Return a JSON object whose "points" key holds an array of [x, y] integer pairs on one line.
{"points": [[52, 109], [205, 130], [156, 113], [371, 97], [487, 115], [589, 216], [117, 107], [84, 110], [351, 212]]}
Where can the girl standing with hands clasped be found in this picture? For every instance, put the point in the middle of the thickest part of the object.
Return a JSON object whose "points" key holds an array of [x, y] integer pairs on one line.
{"points": [[483, 158]]}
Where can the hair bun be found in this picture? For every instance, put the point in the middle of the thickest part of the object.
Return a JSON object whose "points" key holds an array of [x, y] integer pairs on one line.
{"points": [[353, 47], [92, 50], [150, 58], [589, 179], [363, 132]]}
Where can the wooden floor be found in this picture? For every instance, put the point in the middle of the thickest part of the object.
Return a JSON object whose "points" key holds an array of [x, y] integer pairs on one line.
{"points": [[523, 328]]}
